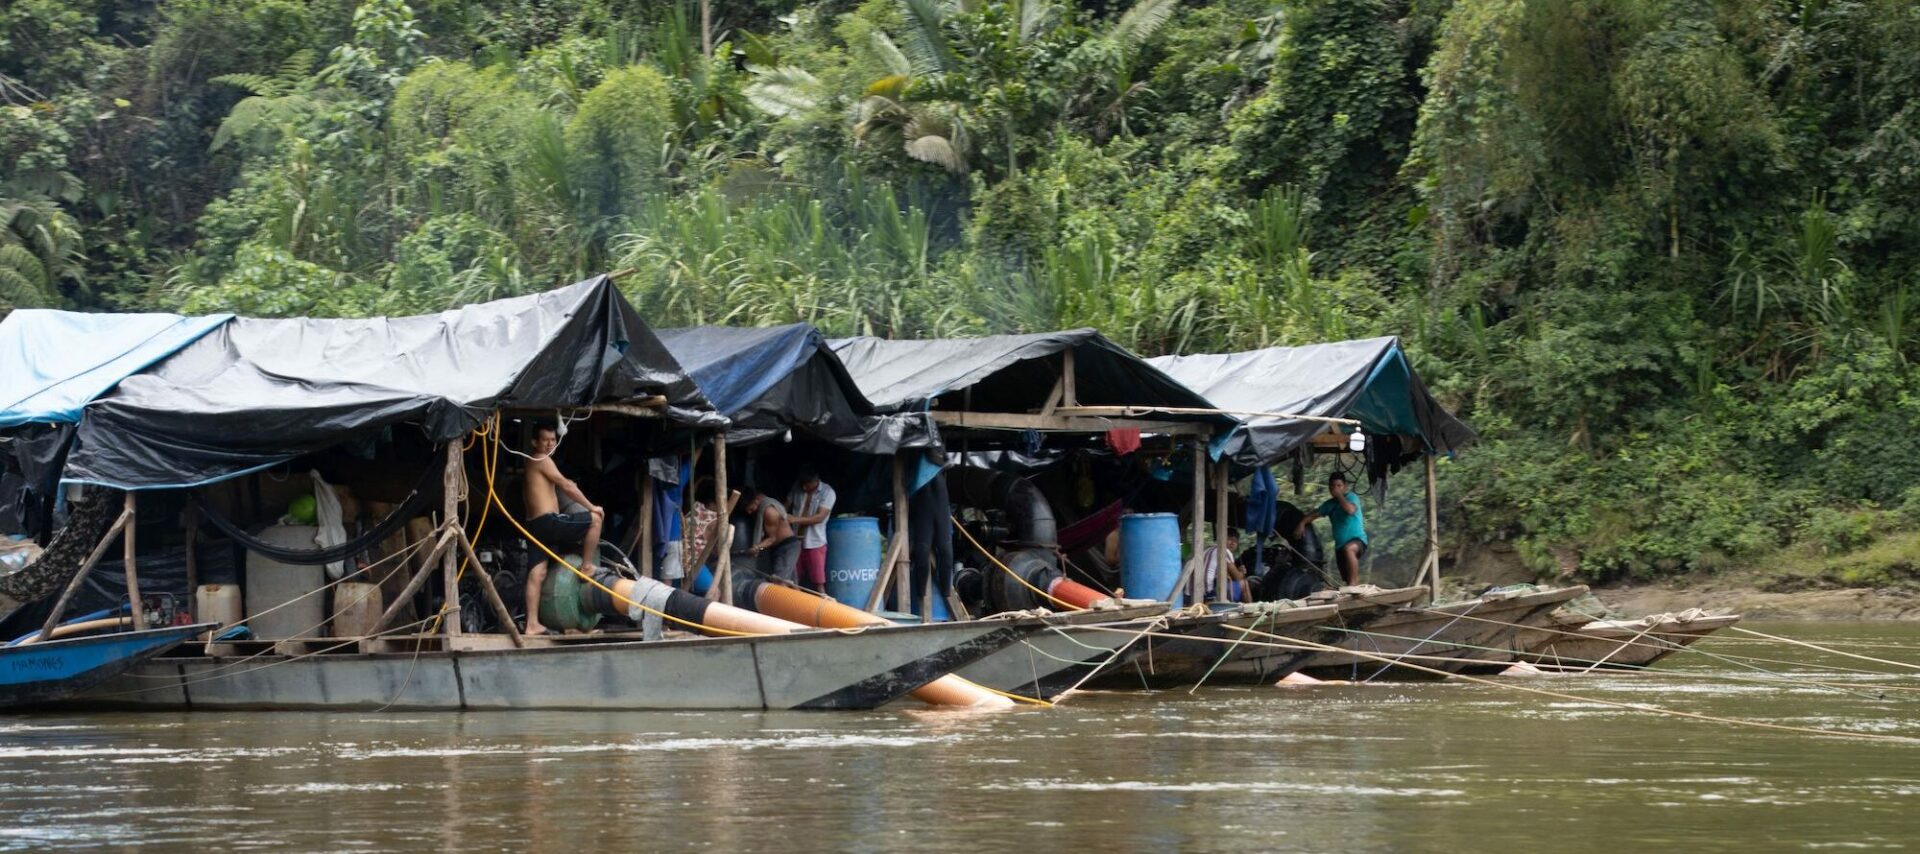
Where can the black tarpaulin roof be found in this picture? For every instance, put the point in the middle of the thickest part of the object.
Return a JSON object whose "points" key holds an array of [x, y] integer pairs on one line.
{"points": [[1008, 373], [1368, 380], [258, 392], [770, 380]]}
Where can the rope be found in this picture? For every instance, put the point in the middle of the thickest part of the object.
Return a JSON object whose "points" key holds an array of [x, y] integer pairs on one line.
{"points": [[1300, 644], [1007, 569], [1885, 661]]}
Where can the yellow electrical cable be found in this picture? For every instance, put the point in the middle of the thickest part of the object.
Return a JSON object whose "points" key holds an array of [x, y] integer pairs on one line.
{"points": [[495, 498], [1009, 570]]}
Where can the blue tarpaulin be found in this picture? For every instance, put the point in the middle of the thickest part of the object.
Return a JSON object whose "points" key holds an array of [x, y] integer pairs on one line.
{"points": [[772, 380], [53, 362], [1367, 380]]}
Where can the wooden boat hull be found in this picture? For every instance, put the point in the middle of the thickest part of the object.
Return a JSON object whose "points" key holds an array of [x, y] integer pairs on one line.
{"points": [[1452, 638], [803, 670], [1354, 610], [1582, 644], [44, 672], [1205, 645], [1057, 658]]}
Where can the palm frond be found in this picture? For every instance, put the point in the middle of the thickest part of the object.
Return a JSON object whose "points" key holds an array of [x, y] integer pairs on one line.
{"points": [[784, 92], [890, 54], [1141, 21], [927, 49]]}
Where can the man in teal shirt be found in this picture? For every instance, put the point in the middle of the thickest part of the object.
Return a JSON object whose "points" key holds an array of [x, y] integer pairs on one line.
{"points": [[1349, 526]]}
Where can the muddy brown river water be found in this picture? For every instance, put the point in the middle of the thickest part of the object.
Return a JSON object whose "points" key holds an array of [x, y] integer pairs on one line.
{"points": [[1379, 767]]}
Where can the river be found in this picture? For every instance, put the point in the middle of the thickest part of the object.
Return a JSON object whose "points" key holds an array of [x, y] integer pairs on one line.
{"points": [[1379, 767]]}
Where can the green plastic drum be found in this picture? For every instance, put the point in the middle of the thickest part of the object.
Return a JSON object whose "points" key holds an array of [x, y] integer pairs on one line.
{"points": [[560, 608]]}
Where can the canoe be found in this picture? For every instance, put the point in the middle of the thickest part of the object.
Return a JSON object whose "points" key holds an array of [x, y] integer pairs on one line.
{"points": [[1451, 637], [38, 673], [1269, 660], [1060, 656], [805, 670], [1581, 643], [1203, 643]]}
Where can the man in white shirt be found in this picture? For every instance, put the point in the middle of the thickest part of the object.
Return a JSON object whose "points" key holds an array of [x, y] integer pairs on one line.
{"points": [[810, 504]]}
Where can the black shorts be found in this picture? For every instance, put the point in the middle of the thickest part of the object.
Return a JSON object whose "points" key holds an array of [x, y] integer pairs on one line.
{"points": [[1351, 541], [561, 530]]}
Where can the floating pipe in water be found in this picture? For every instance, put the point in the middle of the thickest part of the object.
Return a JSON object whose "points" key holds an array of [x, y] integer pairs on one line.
{"points": [[821, 612]]}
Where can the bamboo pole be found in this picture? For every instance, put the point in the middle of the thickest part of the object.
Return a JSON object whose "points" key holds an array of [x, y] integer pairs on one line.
{"points": [[723, 565], [449, 506], [1432, 563], [1220, 531], [79, 578], [133, 574]]}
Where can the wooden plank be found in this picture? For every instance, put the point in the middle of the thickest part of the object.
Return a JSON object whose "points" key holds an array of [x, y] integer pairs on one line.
{"points": [[492, 593], [1054, 397], [193, 563], [1064, 423], [79, 578], [895, 554], [414, 584]]}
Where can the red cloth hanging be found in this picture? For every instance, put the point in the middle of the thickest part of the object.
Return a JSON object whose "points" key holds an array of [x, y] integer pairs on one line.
{"points": [[1123, 442]]}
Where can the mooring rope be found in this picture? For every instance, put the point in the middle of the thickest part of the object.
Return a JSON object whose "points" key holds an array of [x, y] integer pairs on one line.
{"points": [[1825, 649], [1294, 643]]}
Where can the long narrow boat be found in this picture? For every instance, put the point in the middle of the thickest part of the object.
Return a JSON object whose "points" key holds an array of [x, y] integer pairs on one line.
{"points": [[805, 670], [1072, 646], [43, 672], [1451, 637], [1204, 642], [1581, 643], [1268, 659]]}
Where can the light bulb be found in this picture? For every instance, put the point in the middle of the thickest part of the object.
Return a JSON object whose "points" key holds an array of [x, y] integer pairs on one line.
{"points": [[1357, 441]]}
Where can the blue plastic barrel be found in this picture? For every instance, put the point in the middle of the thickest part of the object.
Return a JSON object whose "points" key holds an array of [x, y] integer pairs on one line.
{"points": [[1150, 555], [854, 548]]}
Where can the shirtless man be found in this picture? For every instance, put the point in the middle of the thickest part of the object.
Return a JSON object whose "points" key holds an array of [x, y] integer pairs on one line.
{"points": [[556, 530], [775, 548]]}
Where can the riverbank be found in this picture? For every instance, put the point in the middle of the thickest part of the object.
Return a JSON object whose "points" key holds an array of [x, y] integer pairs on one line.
{"points": [[1854, 603]]}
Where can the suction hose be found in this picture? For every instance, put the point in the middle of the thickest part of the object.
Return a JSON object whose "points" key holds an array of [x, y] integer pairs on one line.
{"points": [[820, 612]]}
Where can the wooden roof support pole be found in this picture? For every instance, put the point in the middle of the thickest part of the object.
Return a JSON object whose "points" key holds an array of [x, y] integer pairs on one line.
{"points": [[193, 563], [1431, 565], [79, 578], [133, 573], [722, 589], [902, 577], [1197, 582], [644, 545], [449, 568], [1220, 531], [1068, 393]]}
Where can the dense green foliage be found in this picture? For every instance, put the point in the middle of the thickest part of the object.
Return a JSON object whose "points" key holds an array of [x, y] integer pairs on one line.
{"points": [[1660, 252]]}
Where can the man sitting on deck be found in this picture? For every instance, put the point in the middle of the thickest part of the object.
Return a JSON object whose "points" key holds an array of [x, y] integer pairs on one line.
{"points": [[544, 486], [776, 549], [1349, 526]]}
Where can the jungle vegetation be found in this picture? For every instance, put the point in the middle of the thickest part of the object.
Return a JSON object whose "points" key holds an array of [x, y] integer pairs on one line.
{"points": [[1661, 253]]}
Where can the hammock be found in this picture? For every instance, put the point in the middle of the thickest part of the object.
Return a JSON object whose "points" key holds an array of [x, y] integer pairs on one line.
{"points": [[1091, 529], [411, 507]]}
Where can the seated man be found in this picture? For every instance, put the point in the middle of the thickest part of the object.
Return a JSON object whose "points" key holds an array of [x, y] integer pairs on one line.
{"points": [[1349, 527], [776, 549], [1238, 590], [558, 531]]}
